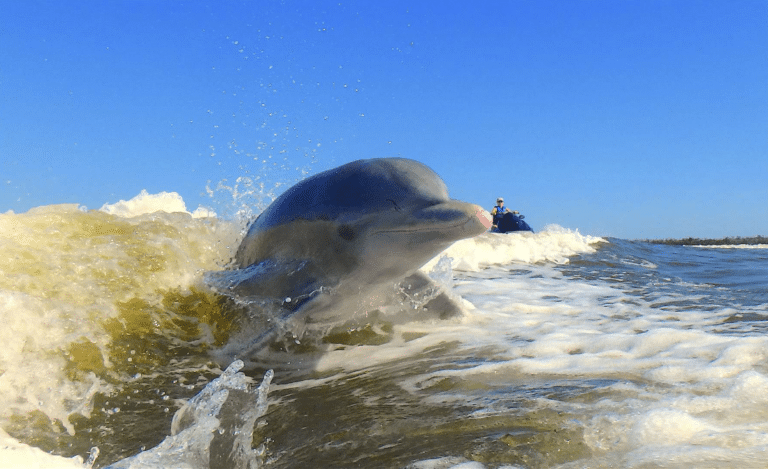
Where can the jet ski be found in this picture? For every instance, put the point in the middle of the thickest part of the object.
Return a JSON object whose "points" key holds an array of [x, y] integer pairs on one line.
{"points": [[511, 222]]}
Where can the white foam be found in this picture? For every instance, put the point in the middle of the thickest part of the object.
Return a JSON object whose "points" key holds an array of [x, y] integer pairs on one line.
{"points": [[452, 462], [15, 455], [146, 203], [689, 427], [700, 395], [733, 246], [62, 275], [668, 427], [554, 244], [33, 377], [677, 389]]}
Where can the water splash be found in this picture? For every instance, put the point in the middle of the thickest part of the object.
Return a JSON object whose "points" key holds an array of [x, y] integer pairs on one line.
{"points": [[211, 430]]}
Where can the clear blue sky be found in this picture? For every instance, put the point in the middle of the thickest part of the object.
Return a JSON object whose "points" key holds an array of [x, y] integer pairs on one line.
{"points": [[634, 119]]}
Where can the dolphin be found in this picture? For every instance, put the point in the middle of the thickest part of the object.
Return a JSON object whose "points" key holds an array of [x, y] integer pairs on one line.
{"points": [[334, 243]]}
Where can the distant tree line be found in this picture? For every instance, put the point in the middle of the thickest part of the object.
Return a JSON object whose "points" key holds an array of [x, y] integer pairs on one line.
{"points": [[711, 242]]}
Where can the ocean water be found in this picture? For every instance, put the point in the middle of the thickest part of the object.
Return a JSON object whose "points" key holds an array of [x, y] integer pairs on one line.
{"points": [[572, 352]]}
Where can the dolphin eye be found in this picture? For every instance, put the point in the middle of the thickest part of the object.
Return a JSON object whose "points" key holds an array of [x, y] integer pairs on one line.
{"points": [[346, 232], [395, 204]]}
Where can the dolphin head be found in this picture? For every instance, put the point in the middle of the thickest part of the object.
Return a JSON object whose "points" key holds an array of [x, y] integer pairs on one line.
{"points": [[369, 220]]}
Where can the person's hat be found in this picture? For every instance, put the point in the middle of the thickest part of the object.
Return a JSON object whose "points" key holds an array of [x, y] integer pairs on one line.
{"points": [[499, 200]]}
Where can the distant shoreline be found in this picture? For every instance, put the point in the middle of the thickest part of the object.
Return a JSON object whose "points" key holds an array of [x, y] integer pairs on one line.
{"points": [[729, 241]]}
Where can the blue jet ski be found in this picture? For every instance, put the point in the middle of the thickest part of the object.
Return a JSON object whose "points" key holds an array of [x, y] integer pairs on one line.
{"points": [[511, 222]]}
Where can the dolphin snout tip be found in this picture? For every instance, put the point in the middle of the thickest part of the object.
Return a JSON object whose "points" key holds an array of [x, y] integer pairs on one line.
{"points": [[484, 217]]}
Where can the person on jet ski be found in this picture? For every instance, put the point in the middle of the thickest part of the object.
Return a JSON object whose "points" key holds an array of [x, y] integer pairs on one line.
{"points": [[498, 212]]}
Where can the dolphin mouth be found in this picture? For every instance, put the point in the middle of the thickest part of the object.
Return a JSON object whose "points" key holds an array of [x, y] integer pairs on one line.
{"points": [[426, 228], [457, 216]]}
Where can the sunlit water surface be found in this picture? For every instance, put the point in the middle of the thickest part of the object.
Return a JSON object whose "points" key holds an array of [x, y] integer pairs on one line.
{"points": [[572, 351]]}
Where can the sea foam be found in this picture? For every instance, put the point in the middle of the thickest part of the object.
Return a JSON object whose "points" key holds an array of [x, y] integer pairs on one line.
{"points": [[145, 203], [553, 244]]}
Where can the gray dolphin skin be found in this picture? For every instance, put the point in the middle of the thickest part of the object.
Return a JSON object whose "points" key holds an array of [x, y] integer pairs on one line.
{"points": [[355, 230]]}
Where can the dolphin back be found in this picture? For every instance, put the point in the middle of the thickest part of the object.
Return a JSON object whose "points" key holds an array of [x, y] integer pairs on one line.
{"points": [[352, 190], [360, 186]]}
